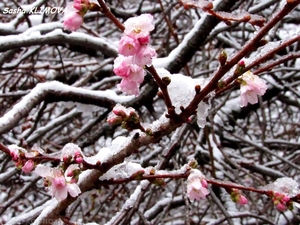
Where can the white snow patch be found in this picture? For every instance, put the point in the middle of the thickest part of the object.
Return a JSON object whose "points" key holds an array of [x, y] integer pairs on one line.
{"points": [[182, 91], [34, 20], [123, 170], [285, 185]]}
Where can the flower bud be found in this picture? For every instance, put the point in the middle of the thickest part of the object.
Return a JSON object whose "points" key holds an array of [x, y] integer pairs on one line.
{"points": [[79, 160], [197, 89], [149, 132], [221, 84], [160, 95], [28, 167], [166, 81], [222, 58], [152, 171], [138, 175], [193, 164], [159, 182], [242, 200], [240, 68]]}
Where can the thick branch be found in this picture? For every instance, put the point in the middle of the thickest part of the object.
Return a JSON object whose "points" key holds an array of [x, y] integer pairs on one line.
{"points": [[57, 37], [55, 91]]}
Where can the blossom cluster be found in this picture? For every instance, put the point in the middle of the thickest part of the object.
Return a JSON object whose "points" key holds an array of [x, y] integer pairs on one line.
{"points": [[134, 53], [251, 87], [63, 180], [19, 156], [59, 181], [281, 201], [71, 153]]}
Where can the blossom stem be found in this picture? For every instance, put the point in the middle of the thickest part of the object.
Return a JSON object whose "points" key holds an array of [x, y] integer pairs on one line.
{"points": [[227, 185], [281, 60], [4, 149], [164, 90], [106, 11], [265, 57]]}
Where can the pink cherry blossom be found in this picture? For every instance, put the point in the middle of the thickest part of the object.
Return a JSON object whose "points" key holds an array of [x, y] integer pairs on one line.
{"points": [[28, 166], [128, 86], [134, 54], [251, 87], [128, 46], [196, 186], [122, 65], [73, 21], [72, 17], [136, 74], [145, 55], [139, 26], [57, 183], [59, 188]]}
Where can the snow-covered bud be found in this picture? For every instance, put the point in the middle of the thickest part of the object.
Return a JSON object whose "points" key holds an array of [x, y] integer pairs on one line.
{"points": [[122, 111], [126, 116], [114, 120], [16, 152], [71, 153]]}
